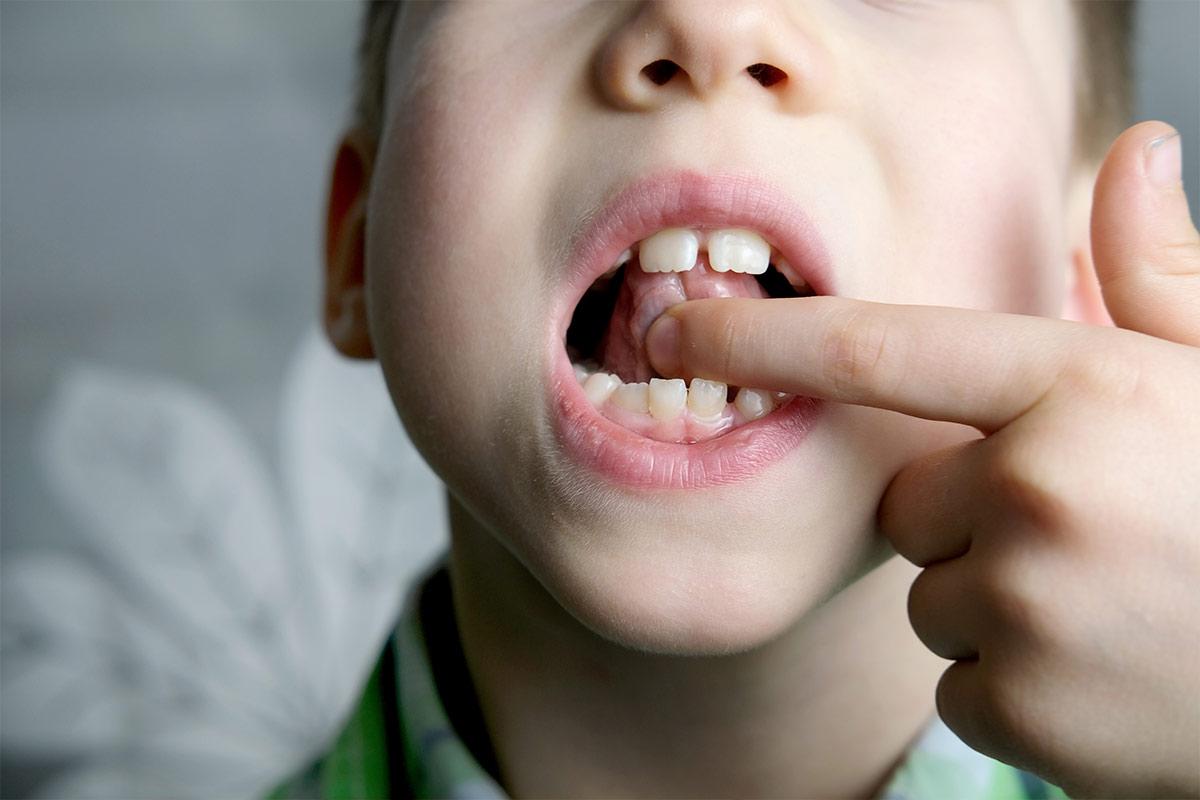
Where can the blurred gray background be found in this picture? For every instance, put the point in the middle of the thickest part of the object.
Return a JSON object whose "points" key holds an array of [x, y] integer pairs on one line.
{"points": [[162, 169]]}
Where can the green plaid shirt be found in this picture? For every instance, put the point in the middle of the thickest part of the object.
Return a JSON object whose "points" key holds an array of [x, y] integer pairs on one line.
{"points": [[399, 743]]}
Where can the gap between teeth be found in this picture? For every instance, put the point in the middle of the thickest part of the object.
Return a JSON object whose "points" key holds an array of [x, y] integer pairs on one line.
{"points": [[669, 399], [728, 249]]}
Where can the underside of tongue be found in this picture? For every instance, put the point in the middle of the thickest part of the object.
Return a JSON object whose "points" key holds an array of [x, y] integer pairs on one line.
{"points": [[644, 296]]}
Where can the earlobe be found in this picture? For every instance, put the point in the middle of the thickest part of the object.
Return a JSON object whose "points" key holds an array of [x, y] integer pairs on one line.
{"points": [[345, 308], [1083, 300]]}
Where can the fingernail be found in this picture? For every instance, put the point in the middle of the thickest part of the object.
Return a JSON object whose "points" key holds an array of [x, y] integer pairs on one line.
{"points": [[1164, 160], [662, 344]]}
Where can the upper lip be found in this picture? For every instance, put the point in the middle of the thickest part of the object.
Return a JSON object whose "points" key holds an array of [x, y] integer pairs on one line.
{"points": [[692, 199]]}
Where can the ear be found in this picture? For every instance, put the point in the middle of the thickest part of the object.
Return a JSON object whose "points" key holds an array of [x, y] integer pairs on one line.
{"points": [[1083, 301], [345, 307]]}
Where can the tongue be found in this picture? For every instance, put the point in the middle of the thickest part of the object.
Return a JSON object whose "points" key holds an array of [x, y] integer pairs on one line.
{"points": [[645, 295]]}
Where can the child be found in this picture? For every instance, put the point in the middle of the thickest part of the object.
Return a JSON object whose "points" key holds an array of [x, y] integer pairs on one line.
{"points": [[659, 589]]}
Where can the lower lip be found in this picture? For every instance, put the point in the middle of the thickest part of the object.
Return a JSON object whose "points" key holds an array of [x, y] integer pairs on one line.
{"points": [[628, 459]]}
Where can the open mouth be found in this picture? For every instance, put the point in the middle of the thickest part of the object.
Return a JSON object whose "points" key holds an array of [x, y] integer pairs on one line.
{"points": [[664, 239], [605, 340]]}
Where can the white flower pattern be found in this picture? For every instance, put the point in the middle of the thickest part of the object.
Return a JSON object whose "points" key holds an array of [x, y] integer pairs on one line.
{"points": [[211, 632]]}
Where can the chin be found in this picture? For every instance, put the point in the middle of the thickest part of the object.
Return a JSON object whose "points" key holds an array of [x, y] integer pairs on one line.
{"points": [[688, 586]]}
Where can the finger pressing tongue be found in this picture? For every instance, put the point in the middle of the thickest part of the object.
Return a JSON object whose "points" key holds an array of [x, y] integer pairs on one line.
{"points": [[644, 296]]}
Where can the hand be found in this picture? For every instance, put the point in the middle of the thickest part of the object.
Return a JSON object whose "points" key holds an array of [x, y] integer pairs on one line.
{"points": [[1061, 551]]}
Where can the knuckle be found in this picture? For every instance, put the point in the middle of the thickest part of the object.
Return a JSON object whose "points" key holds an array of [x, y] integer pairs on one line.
{"points": [[950, 699], [894, 514], [921, 603], [1179, 256], [1002, 710], [1026, 483], [857, 351], [1110, 373], [1019, 606], [736, 341], [1009, 601], [983, 707], [980, 705], [729, 333], [927, 604]]}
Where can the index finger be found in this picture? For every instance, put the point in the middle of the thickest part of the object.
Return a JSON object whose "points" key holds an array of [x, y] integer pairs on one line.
{"points": [[978, 368]]}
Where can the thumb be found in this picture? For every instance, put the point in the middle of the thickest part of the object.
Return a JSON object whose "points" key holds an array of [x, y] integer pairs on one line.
{"points": [[1145, 247]]}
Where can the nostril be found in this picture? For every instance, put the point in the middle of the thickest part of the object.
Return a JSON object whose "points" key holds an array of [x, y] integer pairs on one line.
{"points": [[766, 74], [661, 71]]}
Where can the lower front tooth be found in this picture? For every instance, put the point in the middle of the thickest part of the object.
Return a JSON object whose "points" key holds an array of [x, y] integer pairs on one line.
{"points": [[599, 386], [632, 397], [754, 403], [667, 398], [706, 399], [581, 373]]}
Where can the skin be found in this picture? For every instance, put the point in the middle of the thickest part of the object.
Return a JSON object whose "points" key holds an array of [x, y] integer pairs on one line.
{"points": [[626, 643], [1060, 552]]}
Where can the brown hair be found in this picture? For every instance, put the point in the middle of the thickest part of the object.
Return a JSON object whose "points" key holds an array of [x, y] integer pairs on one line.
{"points": [[1103, 87]]}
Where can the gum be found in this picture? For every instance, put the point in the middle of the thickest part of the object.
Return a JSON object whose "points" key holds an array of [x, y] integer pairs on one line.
{"points": [[687, 428]]}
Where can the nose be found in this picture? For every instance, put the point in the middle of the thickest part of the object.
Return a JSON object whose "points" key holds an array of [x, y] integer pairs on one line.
{"points": [[668, 50]]}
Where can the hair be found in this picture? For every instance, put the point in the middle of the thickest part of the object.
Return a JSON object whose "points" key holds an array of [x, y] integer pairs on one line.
{"points": [[1103, 85], [379, 19]]}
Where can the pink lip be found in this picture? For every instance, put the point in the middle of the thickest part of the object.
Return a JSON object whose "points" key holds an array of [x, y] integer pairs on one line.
{"points": [[680, 199]]}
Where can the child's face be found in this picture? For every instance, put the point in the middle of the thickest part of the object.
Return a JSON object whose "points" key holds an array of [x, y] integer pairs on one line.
{"points": [[926, 149]]}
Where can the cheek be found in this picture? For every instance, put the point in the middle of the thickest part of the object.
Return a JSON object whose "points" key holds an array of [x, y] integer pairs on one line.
{"points": [[453, 282], [462, 182], [997, 234], [977, 169]]}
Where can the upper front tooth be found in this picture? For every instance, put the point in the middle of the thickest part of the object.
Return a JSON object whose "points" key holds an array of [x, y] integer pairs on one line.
{"points": [[625, 256], [667, 398], [669, 250], [738, 250], [788, 271]]}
